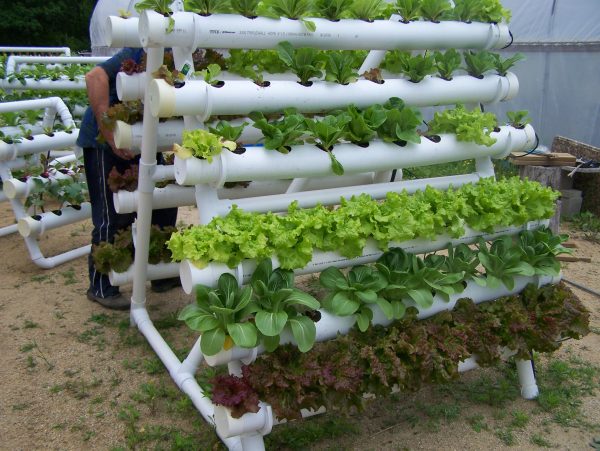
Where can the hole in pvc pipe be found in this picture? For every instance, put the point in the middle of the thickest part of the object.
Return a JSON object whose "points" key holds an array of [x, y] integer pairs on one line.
{"points": [[263, 84], [239, 150], [434, 138], [218, 84], [496, 129], [308, 84], [29, 138], [314, 315], [37, 217], [76, 207], [334, 20], [57, 212], [479, 77], [363, 145], [51, 135], [178, 84], [401, 143]]}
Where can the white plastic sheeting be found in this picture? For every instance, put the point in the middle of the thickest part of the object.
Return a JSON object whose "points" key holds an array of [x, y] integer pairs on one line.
{"points": [[559, 78]]}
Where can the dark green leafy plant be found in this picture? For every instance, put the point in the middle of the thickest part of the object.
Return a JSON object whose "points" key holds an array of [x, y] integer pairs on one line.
{"points": [[283, 134], [363, 124], [368, 9], [502, 262], [539, 248], [305, 62], [435, 10], [518, 119], [243, 62], [227, 131], [490, 11], [467, 10], [332, 9], [326, 133], [116, 256], [246, 8], [278, 304], [210, 74], [459, 259], [292, 9], [447, 63], [160, 6], [352, 294], [221, 312], [401, 122], [478, 63], [416, 67], [206, 7], [504, 65], [339, 68], [409, 10]]}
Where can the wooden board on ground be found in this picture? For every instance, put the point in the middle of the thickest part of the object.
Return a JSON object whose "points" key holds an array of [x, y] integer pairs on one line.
{"points": [[550, 159]]}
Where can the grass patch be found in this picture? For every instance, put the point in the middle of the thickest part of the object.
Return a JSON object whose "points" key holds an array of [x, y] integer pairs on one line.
{"points": [[300, 435], [538, 440], [589, 224]]}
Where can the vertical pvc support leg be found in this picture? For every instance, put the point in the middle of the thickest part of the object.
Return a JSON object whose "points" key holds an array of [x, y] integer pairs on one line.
{"points": [[529, 388], [252, 442], [146, 189]]}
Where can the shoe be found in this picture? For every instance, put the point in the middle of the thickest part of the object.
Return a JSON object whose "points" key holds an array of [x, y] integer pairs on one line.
{"points": [[114, 302], [163, 285]]}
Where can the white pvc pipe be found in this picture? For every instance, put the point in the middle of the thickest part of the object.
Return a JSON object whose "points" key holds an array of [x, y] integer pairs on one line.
{"points": [[14, 130], [14, 61], [63, 84], [130, 87], [64, 50], [54, 106], [38, 143], [261, 421], [31, 227], [310, 161], [199, 98], [331, 196], [168, 197], [16, 189], [330, 326], [51, 262], [529, 388], [122, 32], [155, 272], [169, 132], [234, 31], [191, 275]]}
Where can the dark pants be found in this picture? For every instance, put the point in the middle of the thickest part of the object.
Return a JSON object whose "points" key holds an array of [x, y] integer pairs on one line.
{"points": [[98, 163]]}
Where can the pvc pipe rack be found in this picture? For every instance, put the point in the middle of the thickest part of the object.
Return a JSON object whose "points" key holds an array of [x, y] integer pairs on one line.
{"points": [[198, 98], [196, 101], [66, 51], [193, 31]]}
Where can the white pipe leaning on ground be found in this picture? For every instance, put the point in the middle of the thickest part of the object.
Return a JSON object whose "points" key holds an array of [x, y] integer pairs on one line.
{"points": [[238, 32], [192, 275], [66, 51], [198, 98], [310, 161]]}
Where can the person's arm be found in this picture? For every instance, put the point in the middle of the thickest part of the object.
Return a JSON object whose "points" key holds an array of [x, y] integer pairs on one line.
{"points": [[97, 84]]}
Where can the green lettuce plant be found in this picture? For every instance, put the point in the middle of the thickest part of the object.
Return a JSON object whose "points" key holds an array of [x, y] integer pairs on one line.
{"points": [[227, 131], [339, 68], [408, 9], [283, 134], [160, 6], [363, 125], [447, 63], [504, 65], [435, 10], [201, 144], [292, 9], [472, 126], [222, 312], [368, 9], [206, 7], [352, 294], [478, 63], [247, 8], [518, 119], [401, 122], [332, 9], [279, 304], [305, 62], [328, 131], [539, 248]]}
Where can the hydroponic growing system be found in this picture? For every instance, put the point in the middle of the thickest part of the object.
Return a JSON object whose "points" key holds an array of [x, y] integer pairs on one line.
{"points": [[366, 169]]}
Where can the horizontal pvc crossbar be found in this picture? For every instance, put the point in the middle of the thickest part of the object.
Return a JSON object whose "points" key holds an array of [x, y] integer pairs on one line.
{"points": [[53, 106], [235, 97], [329, 326], [38, 143], [14, 61], [258, 163], [169, 132], [178, 196], [232, 31], [64, 84], [154, 272], [64, 50], [192, 275], [31, 226]]}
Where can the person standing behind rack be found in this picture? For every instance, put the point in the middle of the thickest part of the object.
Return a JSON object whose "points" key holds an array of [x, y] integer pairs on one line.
{"points": [[100, 156]]}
